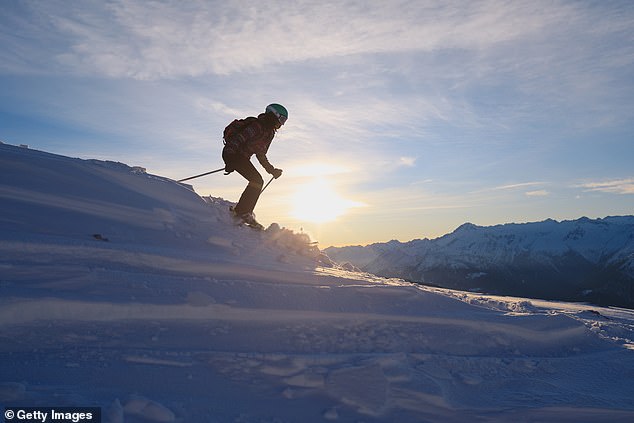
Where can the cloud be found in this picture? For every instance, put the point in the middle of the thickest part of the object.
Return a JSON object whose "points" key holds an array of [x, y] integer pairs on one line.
{"points": [[537, 193], [617, 186], [168, 39], [207, 105], [477, 64], [516, 186], [407, 161]]}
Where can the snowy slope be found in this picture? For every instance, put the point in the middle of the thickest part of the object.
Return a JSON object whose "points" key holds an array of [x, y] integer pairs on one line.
{"points": [[127, 291], [584, 259]]}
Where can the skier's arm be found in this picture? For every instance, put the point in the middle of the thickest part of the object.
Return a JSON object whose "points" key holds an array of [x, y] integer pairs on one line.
{"points": [[268, 166], [264, 161]]}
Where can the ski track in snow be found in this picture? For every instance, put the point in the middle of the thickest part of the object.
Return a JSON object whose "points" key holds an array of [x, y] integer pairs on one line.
{"points": [[182, 317]]}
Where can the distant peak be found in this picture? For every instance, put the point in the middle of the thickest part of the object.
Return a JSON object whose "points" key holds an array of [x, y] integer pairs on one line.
{"points": [[466, 227]]}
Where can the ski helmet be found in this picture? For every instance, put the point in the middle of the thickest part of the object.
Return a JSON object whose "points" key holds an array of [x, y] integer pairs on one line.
{"points": [[279, 111]]}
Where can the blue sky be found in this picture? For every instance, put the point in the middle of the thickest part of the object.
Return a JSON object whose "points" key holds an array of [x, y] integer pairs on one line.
{"points": [[408, 118]]}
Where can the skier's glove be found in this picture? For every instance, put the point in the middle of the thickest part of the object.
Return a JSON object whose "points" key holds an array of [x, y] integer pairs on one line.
{"points": [[276, 173]]}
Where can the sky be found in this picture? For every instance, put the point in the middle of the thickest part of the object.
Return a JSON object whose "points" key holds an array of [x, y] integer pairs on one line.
{"points": [[406, 118]]}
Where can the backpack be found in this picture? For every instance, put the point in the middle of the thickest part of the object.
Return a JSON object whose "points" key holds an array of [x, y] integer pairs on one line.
{"points": [[235, 127]]}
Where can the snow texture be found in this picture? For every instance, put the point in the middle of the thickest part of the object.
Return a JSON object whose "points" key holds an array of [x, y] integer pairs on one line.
{"points": [[128, 291]]}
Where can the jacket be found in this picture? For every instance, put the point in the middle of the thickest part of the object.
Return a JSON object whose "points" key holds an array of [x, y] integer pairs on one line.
{"points": [[254, 138]]}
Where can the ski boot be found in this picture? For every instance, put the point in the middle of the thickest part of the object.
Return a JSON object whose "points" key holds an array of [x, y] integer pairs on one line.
{"points": [[247, 219]]}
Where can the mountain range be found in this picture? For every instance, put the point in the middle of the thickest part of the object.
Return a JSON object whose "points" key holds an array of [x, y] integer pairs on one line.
{"points": [[589, 260]]}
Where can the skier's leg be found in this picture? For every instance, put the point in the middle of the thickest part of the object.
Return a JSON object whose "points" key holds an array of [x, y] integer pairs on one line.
{"points": [[249, 198], [251, 193]]}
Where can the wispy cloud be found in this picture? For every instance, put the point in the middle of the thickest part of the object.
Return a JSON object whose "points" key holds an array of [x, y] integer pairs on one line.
{"points": [[517, 186], [510, 187], [147, 40], [463, 49], [617, 186], [407, 161], [537, 193]]}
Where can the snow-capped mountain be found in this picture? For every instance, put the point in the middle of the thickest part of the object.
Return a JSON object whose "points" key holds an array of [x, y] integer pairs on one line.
{"points": [[128, 292], [580, 260]]}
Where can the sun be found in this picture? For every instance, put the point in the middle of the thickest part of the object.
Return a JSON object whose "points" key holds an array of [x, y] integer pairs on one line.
{"points": [[318, 202]]}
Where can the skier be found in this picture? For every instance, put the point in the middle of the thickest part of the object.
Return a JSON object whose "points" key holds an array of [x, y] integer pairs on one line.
{"points": [[246, 137]]}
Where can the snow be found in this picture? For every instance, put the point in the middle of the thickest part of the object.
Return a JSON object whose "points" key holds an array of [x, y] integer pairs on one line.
{"points": [[127, 291]]}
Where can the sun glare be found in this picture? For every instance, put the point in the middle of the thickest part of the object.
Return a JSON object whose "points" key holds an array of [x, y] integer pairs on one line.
{"points": [[318, 202]]}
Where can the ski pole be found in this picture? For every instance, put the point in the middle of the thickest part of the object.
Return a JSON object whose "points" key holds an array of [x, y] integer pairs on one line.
{"points": [[202, 174], [267, 184]]}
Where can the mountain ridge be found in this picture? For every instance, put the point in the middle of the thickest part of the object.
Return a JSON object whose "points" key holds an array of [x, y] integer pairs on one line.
{"points": [[576, 260]]}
